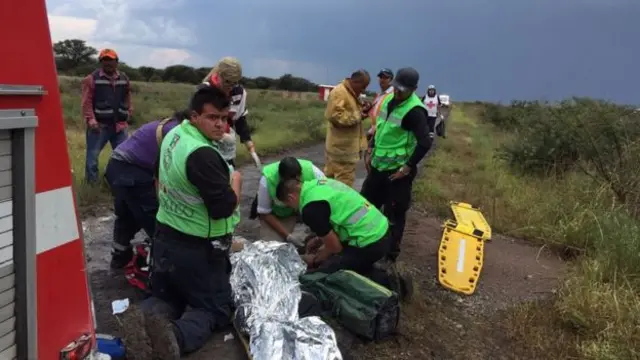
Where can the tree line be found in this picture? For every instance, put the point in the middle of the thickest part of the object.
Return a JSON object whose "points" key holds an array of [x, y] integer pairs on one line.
{"points": [[75, 58]]}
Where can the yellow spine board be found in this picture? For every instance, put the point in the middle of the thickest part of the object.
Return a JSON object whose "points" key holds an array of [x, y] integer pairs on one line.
{"points": [[461, 252], [470, 220], [460, 259]]}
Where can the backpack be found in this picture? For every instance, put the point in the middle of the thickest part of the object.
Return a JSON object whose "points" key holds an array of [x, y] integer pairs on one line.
{"points": [[137, 270], [359, 304]]}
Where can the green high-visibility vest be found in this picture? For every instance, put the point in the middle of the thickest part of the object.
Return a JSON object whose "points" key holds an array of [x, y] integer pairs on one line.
{"points": [[181, 205], [270, 173], [355, 221], [393, 144]]}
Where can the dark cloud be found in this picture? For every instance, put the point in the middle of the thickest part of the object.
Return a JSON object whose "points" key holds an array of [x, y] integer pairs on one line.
{"points": [[472, 49]]}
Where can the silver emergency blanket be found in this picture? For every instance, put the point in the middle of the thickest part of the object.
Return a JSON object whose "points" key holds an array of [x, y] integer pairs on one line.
{"points": [[266, 292]]}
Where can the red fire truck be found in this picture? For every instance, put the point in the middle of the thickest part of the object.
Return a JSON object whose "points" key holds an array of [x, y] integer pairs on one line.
{"points": [[46, 312]]}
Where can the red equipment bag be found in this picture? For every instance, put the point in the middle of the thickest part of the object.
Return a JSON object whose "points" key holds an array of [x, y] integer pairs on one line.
{"points": [[137, 270]]}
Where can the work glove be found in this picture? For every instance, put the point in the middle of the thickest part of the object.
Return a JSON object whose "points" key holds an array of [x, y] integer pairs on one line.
{"points": [[295, 240]]}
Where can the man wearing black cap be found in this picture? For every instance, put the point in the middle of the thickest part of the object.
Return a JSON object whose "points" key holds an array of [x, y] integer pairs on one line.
{"points": [[403, 137], [385, 76]]}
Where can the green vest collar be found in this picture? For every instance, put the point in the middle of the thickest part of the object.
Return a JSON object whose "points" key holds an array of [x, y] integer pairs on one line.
{"points": [[193, 131]]}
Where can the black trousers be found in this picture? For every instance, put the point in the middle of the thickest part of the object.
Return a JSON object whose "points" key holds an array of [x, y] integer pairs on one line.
{"points": [[135, 201], [190, 285], [393, 198], [360, 260]]}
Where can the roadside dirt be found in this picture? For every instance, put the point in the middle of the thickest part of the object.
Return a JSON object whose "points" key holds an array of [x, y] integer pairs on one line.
{"points": [[438, 324]]}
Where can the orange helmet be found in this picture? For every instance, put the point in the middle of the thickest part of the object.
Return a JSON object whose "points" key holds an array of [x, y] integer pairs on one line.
{"points": [[107, 54]]}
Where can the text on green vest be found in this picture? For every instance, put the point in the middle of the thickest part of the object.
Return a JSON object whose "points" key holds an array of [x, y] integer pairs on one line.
{"points": [[181, 205]]}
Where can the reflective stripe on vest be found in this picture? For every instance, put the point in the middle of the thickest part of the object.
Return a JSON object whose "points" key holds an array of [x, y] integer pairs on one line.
{"points": [[181, 206], [393, 144], [109, 98], [375, 110], [355, 221]]}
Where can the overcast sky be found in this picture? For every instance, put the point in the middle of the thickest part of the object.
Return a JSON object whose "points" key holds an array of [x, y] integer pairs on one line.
{"points": [[471, 49]]}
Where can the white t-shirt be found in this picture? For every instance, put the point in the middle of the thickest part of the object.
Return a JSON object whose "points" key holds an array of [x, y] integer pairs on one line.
{"points": [[265, 201], [238, 102]]}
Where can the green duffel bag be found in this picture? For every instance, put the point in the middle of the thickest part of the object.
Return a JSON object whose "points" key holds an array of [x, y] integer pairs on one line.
{"points": [[359, 304]]}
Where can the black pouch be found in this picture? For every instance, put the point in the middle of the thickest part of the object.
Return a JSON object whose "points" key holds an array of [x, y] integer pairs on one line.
{"points": [[253, 214]]}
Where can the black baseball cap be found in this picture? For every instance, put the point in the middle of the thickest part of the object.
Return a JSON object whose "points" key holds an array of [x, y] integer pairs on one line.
{"points": [[406, 79], [386, 72]]}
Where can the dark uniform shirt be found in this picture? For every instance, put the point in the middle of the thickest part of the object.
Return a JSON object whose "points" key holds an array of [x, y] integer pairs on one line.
{"points": [[316, 215]]}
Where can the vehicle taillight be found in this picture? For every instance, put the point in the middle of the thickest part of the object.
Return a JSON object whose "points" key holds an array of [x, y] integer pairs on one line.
{"points": [[77, 350]]}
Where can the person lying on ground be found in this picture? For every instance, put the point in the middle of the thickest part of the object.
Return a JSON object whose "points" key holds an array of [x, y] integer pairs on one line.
{"points": [[351, 233], [277, 221], [198, 195]]}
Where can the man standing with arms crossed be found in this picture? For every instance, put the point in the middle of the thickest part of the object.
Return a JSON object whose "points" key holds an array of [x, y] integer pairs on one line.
{"points": [[403, 137], [345, 134], [198, 194], [106, 107]]}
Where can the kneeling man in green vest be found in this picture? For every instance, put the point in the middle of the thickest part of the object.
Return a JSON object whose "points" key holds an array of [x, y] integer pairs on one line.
{"points": [[199, 194], [351, 233], [277, 220]]}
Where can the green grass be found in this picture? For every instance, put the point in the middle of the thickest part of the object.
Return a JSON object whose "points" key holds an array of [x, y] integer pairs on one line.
{"points": [[279, 121], [597, 311]]}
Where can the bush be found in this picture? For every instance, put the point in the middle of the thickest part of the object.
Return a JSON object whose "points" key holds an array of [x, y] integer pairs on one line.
{"points": [[590, 211], [597, 138]]}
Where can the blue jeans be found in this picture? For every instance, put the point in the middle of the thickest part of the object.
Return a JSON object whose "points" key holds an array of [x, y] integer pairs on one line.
{"points": [[96, 141]]}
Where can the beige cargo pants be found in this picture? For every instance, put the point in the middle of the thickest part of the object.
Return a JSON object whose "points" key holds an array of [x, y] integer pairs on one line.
{"points": [[341, 171]]}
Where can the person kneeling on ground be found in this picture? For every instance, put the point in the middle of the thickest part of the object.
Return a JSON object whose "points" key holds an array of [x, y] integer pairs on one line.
{"points": [[277, 221], [130, 175], [198, 195], [351, 233]]}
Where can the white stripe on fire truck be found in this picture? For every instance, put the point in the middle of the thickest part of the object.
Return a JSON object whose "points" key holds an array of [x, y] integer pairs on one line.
{"points": [[56, 222]]}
